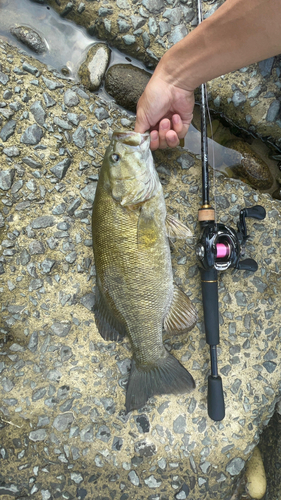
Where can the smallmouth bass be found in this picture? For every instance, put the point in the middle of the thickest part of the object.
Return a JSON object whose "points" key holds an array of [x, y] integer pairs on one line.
{"points": [[135, 294]]}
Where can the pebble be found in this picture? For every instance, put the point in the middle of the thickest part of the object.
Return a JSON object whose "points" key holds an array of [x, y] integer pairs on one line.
{"points": [[8, 130], [52, 84], [235, 466], [36, 248], [60, 169], [3, 78], [238, 98], [273, 111], [63, 421], [153, 6], [43, 221], [88, 192], [30, 38], [61, 329], [33, 342], [93, 69], [265, 66], [32, 135], [11, 151], [70, 98], [6, 179], [38, 112], [88, 301], [79, 137], [49, 101], [38, 435]]}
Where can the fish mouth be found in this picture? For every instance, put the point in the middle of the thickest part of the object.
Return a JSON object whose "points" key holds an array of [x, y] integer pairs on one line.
{"points": [[130, 138]]}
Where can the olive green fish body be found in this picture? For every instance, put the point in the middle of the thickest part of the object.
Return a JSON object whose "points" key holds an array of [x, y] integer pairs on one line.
{"points": [[133, 264]]}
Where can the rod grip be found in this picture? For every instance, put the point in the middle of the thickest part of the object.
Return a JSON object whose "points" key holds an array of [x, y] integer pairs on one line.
{"points": [[216, 408], [209, 281]]}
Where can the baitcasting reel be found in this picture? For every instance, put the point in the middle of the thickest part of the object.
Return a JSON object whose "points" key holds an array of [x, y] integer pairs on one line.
{"points": [[221, 247]]}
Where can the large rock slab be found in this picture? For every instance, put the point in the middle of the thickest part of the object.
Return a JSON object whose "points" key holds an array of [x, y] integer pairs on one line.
{"points": [[64, 431]]}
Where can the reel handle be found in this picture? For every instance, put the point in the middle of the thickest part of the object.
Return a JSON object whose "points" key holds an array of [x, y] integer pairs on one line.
{"points": [[256, 212]]}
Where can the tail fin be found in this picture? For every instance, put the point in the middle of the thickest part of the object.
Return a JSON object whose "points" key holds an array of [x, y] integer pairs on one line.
{"points": [[168, 376]]}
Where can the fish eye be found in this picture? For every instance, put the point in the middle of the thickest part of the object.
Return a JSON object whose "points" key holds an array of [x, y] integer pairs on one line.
{"points": [[115, 158]]}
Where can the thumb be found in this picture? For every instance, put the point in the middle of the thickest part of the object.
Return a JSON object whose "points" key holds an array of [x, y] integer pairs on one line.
{"points": [[142, 124]]}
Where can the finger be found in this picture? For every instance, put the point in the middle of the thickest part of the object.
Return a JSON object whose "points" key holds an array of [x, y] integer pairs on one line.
{"points": [[179, 127], [172, 139], [164, 127], [154, 140]]}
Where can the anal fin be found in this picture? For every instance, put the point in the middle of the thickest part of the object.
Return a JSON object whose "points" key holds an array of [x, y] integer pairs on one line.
{"points": [[109, 326], [182, 314], [176, 229]]}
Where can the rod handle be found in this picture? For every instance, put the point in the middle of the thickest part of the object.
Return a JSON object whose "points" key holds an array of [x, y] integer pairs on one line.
{"points": [[209, 281], [216, 408]]}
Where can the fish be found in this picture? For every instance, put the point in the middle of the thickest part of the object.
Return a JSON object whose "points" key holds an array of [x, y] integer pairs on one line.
{"points": [[135, 293]]}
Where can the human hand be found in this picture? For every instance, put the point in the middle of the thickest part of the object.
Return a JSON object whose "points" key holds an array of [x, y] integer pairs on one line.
{"points": [[166, 110]]}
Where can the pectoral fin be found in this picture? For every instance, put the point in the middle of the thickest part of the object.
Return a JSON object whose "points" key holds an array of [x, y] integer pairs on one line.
{"points": [[182, 315], [176, 229], [109, 326]]}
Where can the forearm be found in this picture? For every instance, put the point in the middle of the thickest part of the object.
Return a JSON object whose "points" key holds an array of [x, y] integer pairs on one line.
{"points": [[239, 33]]}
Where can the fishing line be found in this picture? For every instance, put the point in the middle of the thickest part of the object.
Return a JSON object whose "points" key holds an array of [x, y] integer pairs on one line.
{"points": [[213, 150]]}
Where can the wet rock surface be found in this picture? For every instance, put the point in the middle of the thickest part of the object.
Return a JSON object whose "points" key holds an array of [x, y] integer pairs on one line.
{"points": [[126, 83], [250, 96], [64, 432], [252, 169]]}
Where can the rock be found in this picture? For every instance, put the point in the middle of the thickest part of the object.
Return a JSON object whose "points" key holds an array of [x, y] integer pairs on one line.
{"points": [[8, 130], [60, 365], [38, 435], [60, 169], [52, 84], [30, 38], [126, 83], [273, 111], [31, 163], [79, 137], [153, 6], [89, 192], [252, 168], [32, 135], [38, 112], [265, 66], [92, 70], [44, 221], [6, 179], [11, 151], [71, 98], [238, 98], [61, 329]]}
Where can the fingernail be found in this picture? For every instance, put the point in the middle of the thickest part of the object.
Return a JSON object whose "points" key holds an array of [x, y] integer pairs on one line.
{"points": [[154, 135]]}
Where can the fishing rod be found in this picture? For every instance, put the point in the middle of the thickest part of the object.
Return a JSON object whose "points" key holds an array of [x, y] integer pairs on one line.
{"points": [[219, 247]]}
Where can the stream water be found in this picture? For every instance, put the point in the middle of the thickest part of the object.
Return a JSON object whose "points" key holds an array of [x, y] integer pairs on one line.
{"points": [[74, 42]]}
